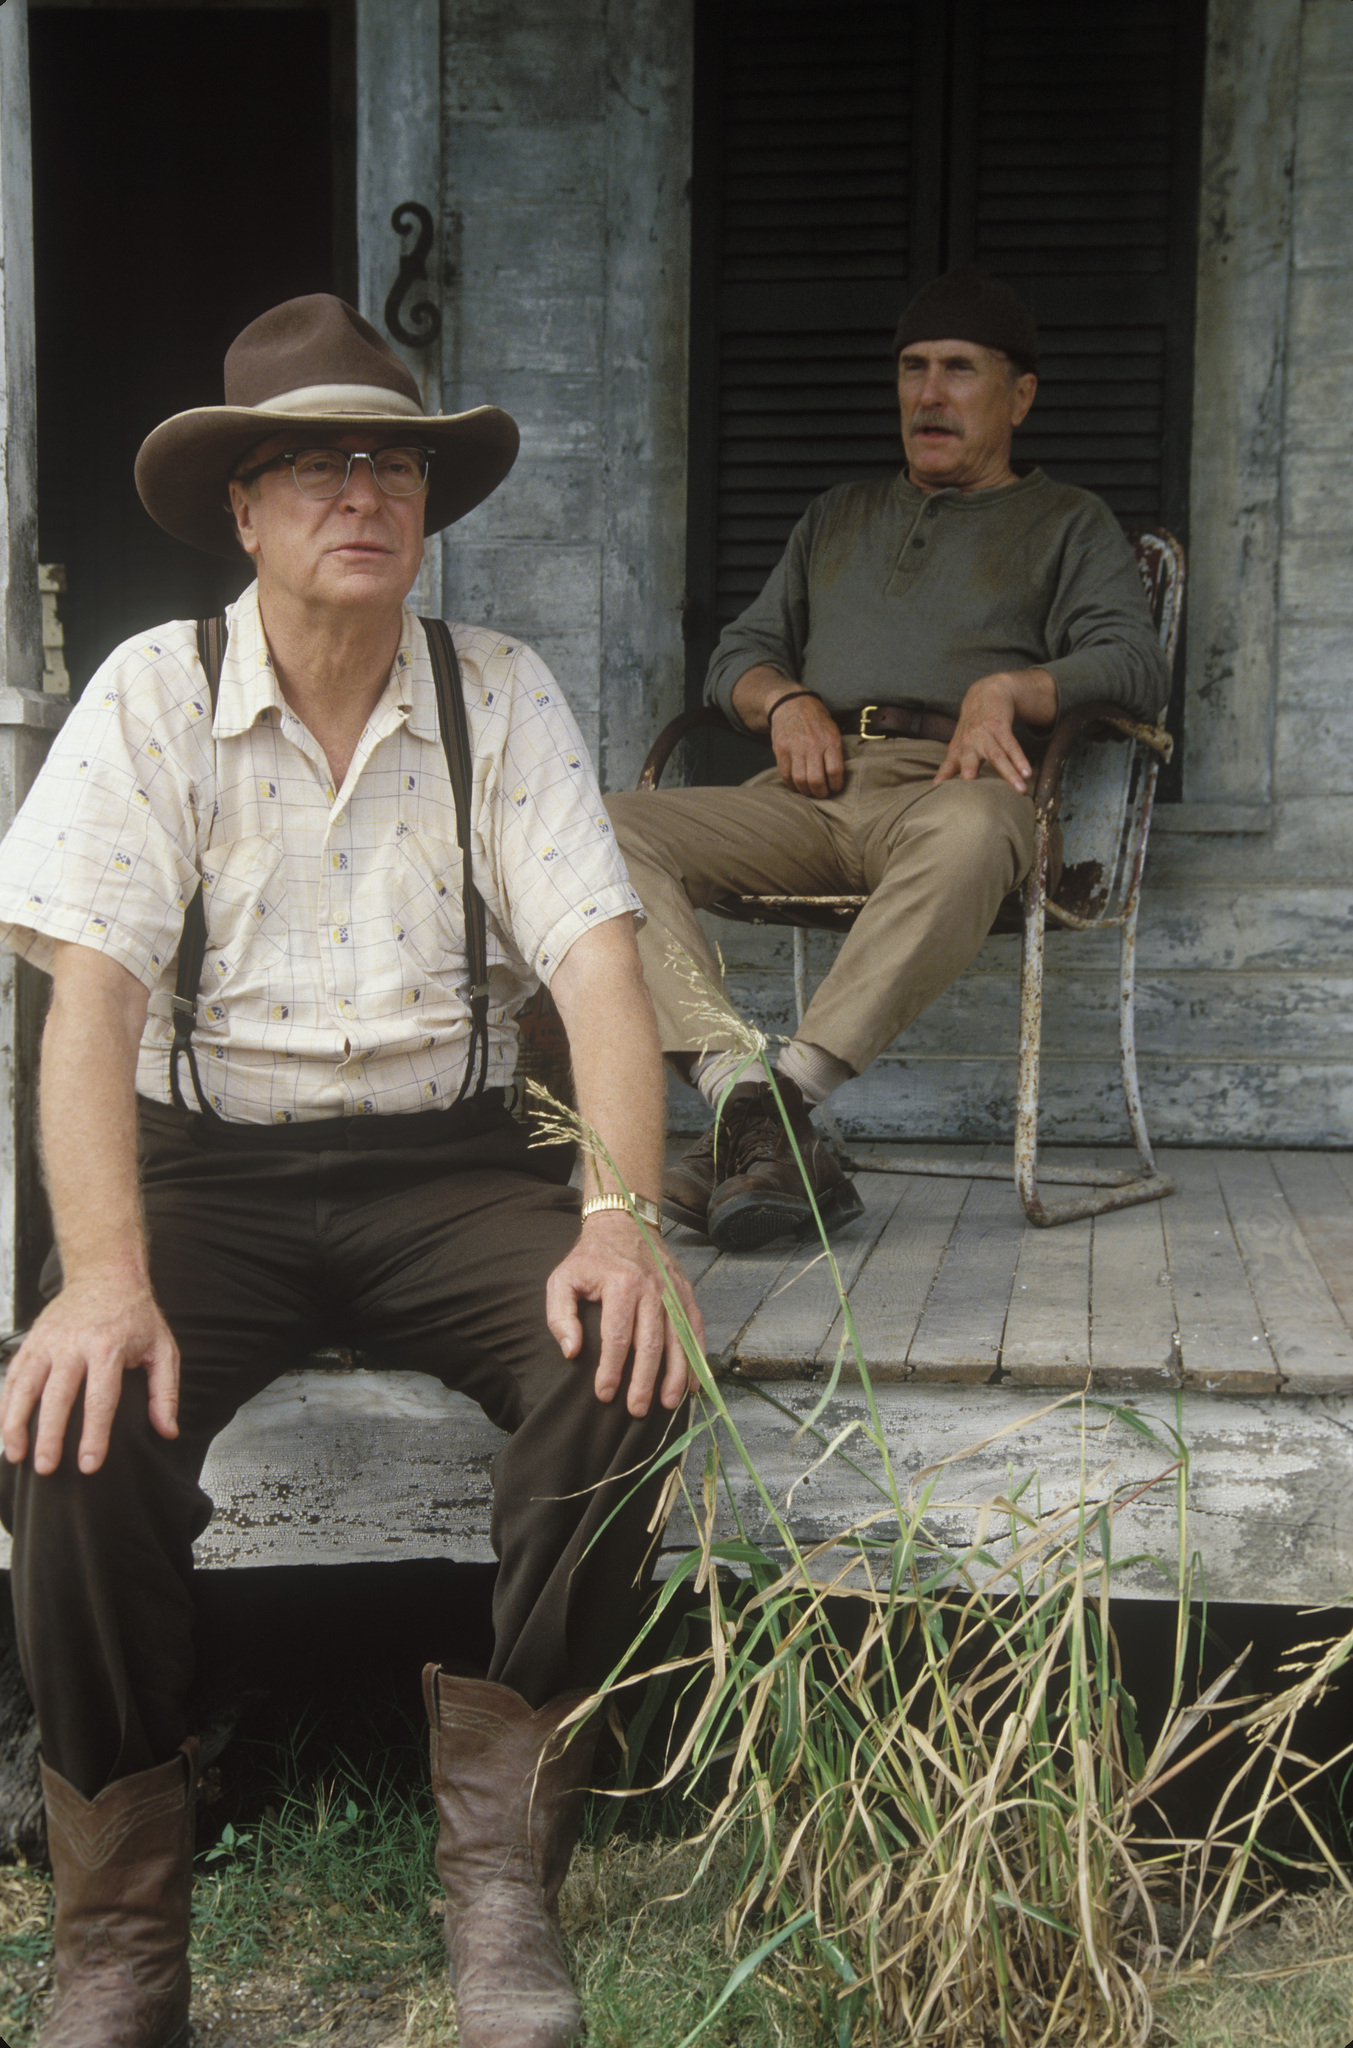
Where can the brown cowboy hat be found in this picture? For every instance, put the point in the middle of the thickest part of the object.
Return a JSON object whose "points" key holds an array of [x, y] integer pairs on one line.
{"points": [[312, 363]]}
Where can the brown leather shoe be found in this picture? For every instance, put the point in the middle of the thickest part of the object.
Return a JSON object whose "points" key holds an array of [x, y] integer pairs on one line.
{"points": [[762, 1196], [509, 1792], [123, 1866], [688, 1184]]}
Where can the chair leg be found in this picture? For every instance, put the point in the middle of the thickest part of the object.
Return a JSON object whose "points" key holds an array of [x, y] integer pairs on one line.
{"points": [[1127, 1040], [1031, 1036], [1130, 1189], [800, 973]]}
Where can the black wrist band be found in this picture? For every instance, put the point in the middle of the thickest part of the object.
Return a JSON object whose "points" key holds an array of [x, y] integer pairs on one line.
{"points": [[788, 698]]}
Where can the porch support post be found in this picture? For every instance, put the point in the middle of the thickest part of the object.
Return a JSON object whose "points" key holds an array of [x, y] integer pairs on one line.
{"points": [[399, 162], [28, 718], [1244, 274]]}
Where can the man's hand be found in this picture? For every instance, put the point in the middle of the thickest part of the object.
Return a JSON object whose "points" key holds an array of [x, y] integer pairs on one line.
{"points": [[803, 734], [611, 1263], [986, 726], [93, 1332]]}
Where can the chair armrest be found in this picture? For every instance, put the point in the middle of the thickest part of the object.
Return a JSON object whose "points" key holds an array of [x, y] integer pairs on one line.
{"points": [[670, 738], [1079, 724]]}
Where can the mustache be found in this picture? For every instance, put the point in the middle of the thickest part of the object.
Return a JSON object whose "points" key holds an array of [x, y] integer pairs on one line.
{"points": [[931, 417]]}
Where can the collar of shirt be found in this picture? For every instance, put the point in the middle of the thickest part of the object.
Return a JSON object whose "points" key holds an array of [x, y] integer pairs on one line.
{"points": [[910, 496], [249, 685]]}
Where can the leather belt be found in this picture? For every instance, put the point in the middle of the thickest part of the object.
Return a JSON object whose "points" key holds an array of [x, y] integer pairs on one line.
{"points": [[896, 722]]}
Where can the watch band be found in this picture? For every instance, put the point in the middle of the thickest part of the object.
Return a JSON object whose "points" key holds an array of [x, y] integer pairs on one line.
{"points": [[637, 1205]]}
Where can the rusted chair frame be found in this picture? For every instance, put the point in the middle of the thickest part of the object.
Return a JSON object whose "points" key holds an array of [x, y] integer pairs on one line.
{"points": [[1161, 561]]}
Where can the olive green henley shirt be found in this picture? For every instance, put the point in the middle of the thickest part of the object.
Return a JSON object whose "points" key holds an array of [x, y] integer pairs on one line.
{"points": [[887, 594]]}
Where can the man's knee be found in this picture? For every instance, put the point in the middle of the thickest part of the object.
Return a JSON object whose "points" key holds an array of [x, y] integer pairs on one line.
{"points": [[973, 829], [146, 1482]]}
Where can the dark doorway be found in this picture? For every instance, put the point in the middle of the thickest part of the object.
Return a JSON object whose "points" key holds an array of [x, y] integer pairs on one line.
{"points": [[845, 155], [191, 167]]}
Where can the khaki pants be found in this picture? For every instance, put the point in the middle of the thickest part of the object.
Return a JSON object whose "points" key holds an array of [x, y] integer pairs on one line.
{"points": [[426, 1249], [935, 863]]}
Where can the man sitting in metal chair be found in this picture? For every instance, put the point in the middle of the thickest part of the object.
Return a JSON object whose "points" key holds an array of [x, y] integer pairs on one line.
{"points": [[914, 639]]}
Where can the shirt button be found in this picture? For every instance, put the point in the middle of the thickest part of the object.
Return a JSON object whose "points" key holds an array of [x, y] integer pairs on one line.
{"points": [[918, 543]]}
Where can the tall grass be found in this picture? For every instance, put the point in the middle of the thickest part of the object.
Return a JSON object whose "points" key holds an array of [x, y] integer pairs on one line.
{"points": [[947, 1824]]}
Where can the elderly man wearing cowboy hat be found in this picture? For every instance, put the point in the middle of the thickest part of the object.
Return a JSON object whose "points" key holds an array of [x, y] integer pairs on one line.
{"points": [[343, 1165]]}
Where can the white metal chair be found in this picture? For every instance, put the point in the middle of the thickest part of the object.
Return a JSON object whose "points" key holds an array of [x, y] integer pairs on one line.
{"points": [[1097, 782]]}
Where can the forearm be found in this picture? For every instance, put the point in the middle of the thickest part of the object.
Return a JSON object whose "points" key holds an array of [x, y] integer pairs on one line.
{"points": [[620, 1095], [88, 1114], [1033, 695], [755, 691], [617, 1063], [599, 991]]}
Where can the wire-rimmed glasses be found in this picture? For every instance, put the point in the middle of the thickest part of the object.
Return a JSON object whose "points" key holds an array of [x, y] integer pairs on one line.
{"points": [[400, 472]]}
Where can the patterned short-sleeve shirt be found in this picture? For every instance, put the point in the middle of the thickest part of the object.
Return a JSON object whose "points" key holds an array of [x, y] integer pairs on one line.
{"points": [[336, 980]]}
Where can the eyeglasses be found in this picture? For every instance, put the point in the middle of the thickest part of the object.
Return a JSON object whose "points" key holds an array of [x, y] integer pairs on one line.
{"points": [[323, 472]]}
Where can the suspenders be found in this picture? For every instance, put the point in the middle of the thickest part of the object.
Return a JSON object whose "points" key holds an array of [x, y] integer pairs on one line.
{"points": [[455, 731]]}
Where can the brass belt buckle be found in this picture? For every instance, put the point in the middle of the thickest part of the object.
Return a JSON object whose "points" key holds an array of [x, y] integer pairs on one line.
{"points": [[865, 710]]}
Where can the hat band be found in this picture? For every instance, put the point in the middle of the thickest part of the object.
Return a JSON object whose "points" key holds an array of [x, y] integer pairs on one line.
{"points": [[372, 401]]}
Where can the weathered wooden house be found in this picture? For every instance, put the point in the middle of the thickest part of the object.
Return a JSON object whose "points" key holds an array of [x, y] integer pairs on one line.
{"points": [[672, 236]]}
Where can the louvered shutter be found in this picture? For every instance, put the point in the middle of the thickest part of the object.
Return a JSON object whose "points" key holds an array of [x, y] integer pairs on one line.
{"points": [[846, 153], [809, 187], [1083, 181]]}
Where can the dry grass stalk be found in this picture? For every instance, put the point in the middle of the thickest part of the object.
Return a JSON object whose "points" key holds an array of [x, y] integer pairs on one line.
{"points": [[929, 1760]]}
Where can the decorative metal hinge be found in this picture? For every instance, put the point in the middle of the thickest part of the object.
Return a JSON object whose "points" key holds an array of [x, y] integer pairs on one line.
{"points": [[424, 324]]}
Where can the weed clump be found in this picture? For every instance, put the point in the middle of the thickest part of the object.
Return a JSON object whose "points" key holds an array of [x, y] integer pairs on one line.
{"points": [[946, 1822]]}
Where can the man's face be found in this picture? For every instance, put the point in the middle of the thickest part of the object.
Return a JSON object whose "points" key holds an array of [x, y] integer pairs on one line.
{"points": [[358, 550], [960, 406]]}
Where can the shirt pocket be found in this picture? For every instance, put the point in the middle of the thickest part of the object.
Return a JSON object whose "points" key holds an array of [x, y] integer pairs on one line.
{"points": [[425, 904], [246, 923]]}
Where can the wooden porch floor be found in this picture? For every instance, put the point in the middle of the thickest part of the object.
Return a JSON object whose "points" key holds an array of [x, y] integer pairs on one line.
{"points": [[1223, 1311], [1239, 1283]]}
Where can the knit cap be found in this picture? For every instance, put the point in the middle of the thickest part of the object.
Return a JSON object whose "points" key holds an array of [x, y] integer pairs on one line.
{"points": [[967, 305]]}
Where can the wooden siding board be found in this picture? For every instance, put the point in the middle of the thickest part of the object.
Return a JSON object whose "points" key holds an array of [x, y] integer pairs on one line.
{"points": [[381, 1467]]}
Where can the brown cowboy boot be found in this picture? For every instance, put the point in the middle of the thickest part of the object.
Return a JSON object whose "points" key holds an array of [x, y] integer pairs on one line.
{"points": [[123, 1866], [509, 1795], [761, 1193]]}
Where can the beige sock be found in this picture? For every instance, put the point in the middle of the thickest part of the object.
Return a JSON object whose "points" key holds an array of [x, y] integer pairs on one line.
{"points": [[714, 1071], [815, 1073]]}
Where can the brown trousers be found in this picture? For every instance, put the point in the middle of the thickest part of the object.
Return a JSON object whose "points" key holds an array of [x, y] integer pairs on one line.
{"points": [[935, 863], [431, 1253]]}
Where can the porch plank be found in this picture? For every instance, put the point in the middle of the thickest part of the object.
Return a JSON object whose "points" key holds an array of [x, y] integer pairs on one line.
{"points": [[1342, 1164], [1319, 1200], [960, 1331], [789, 1329], [1132, 1315], [694, 1253], [731, 1290], [1047, 1329], [890, 1293], [1224, 1346], [1311, 1341]]}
